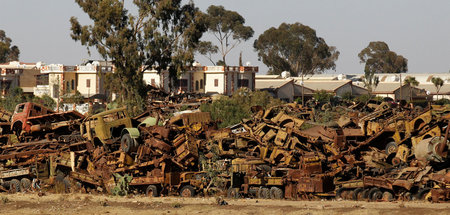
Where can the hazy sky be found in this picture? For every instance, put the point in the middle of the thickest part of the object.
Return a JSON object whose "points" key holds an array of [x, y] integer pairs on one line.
{"points": [[417, 29]]}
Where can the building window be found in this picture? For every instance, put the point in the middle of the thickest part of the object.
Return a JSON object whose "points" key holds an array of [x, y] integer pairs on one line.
{"points": [[201, 83], [216, 82], [88, 82], [152, 82], [242, 82], [42, 79], [68, 87], [73, 84], [196, 85]]}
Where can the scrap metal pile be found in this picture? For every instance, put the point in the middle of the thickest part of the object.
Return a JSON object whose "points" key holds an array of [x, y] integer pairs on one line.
{"points": [[378, 152]]}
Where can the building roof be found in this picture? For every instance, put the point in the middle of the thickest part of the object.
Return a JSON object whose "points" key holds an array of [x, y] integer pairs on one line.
{"points": [[330, 86], [445, 89], [271, 83], [267, 77]]}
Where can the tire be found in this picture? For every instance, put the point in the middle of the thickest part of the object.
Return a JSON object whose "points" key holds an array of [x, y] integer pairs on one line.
{"points": [[422, 193], [126, 143], [339, 193], [371, 192], [365, 194], [263, 193], [233, 193], [376, 195], [187, 191], [276, 193], [152, 190], [26, 183], [390, 148], [356, 193], [15, 185], [388, 196]]}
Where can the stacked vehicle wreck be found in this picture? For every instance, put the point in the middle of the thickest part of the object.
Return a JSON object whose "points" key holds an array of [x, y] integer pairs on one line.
{"points": [[372, 152]]}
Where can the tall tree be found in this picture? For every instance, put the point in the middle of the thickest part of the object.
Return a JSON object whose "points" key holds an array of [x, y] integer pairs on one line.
{"points": [[7, 52], [228, 28], [295, 48], [412, 82], [163, 34], [379, 59], [438, 83]]}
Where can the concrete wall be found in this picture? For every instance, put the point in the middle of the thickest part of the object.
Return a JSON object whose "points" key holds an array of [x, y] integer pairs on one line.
{"points": [[209, 84], [82, 84], [148, 76], [286, 92], [344, 89]]}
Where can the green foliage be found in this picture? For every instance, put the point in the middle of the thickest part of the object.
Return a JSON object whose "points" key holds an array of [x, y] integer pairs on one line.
{"points": [[438, 83], [322, 96], [163, 34], [231, 110], [442, 102], [348, 96], [122, 184], [363, 98], [13, 97], [379, 59], [75, 98], [295, 48], [207, 49], [411, 81], [45, 100], [7, 52], [228, 28]]}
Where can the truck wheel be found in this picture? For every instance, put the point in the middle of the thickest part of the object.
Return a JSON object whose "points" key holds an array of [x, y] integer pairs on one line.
{"points": [[152, 191], [126, 143], [263, 193], [391, 147], [365, 194], [233, 193], [377, 195], [339, 193], [356, 193], [15, 185], [187, 191], [26, 183], [371, 192], [387, 196], [276, 193]]}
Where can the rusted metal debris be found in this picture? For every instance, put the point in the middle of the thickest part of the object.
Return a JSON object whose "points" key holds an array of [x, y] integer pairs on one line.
{"points": [[377, 151]]}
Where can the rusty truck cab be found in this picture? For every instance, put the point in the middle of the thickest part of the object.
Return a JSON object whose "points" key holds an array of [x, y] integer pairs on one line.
{"points": [[21, 114]]}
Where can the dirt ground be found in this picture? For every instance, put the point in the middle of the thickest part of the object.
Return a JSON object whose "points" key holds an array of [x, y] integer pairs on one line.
{"points": [[100, 204]]}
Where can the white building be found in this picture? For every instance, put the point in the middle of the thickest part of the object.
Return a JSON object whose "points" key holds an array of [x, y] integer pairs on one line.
{"points": [[205, 79]]}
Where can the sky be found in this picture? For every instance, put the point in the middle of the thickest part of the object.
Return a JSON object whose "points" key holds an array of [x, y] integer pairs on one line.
{"points": [[417, 29]]}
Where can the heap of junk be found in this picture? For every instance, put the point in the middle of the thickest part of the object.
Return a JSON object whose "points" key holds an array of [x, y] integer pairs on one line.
{"points": [[375, 151]]}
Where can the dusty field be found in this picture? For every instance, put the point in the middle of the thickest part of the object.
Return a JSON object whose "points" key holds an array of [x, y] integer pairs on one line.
{"points": [[98, 204]]}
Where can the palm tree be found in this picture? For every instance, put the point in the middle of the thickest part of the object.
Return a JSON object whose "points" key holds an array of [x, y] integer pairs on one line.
{"points": [[438, 83], [412, 82]]}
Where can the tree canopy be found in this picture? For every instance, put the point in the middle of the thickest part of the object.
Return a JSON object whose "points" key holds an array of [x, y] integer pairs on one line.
{"points": [[379, 59], [7, 52], [295, 48], [162, 35], [228, 28], [438, 83]]}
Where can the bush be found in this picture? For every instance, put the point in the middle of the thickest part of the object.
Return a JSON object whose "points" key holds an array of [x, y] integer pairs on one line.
{"points": [[442, 102], [45, 100], [322, 96], [231, 110]]}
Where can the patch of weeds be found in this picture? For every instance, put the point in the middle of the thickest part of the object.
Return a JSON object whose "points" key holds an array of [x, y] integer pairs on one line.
{"points": [[5, 199], [176, 205]]}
